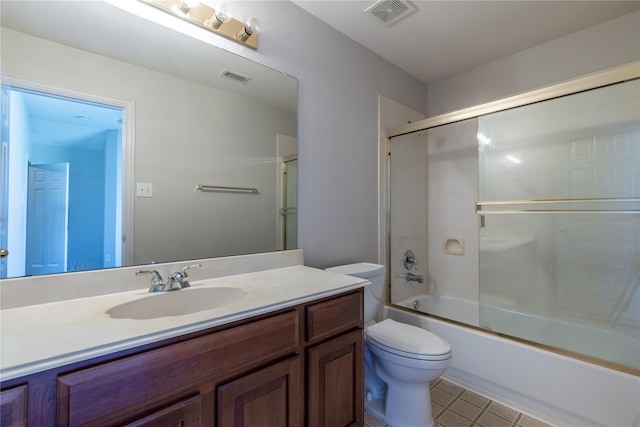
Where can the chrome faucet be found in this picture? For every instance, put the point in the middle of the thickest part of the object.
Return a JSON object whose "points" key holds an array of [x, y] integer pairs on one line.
{"points": [[178, 280], [175, 282], [410, 277], [156, 280]]}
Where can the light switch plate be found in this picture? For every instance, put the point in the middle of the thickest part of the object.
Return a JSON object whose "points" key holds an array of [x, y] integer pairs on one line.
{"points": [[144, 189]]}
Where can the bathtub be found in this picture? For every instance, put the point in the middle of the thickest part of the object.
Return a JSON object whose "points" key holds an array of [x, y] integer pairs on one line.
{"points": [[617, 347], [557, 389]]}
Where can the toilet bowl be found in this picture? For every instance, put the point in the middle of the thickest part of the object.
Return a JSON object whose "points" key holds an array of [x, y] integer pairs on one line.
{"points": [[400, 359], [407, 358]]}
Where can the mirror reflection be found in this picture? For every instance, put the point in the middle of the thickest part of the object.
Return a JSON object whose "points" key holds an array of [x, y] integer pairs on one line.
{"points": [[107, 131]]}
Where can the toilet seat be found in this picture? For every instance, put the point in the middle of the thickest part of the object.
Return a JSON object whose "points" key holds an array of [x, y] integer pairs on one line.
{"points": [[407, 341]]}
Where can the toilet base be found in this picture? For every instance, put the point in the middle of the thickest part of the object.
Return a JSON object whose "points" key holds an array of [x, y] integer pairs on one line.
{"points": [[376, 408]]}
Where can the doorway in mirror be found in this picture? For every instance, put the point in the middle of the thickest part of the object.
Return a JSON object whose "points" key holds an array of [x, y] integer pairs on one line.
{"points": [[64, 180], [287, 147]]}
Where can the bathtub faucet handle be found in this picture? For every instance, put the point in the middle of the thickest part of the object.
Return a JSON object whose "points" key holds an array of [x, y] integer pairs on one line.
{"points": [[410, 261]]}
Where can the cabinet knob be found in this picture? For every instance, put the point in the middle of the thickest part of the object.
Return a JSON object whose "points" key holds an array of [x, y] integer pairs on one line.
{"points": [[4, 253]]}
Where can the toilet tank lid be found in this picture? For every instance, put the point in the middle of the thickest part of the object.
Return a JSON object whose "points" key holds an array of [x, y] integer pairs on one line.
{"points": [[363, 270], [407, 338]]}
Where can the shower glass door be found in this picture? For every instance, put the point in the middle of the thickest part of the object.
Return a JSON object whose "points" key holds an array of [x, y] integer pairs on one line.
{"points": [[559, 238]]}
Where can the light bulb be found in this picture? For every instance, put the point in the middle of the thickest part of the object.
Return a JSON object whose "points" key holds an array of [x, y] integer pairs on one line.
{"points": [[222, 14], [186, 5], [251, 27]]}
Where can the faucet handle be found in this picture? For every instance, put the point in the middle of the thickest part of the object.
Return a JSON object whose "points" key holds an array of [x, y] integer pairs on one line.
{"points": [[410, 261], [156, 280], [181, 276], [184, 269]]}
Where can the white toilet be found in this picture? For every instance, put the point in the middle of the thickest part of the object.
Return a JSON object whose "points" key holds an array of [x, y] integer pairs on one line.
{"points": [[400, 359]]}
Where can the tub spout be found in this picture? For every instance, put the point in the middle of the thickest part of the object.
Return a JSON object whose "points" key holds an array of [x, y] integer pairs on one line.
{"points": [[410, 277]]}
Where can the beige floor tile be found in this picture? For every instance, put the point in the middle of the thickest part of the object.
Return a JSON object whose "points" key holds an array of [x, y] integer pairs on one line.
{"points": [[465, 409], [450, 388], [436, 409], [491, 420], [442, 397], [503, 411], [452, 419], [475, 398]]}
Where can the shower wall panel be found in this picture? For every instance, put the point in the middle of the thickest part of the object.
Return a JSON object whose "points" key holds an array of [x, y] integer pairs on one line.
{"points": [[452, 158]]}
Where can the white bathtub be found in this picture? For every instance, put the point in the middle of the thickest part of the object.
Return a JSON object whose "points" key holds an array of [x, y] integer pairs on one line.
{"points": [[559, 390], [616, 347]]}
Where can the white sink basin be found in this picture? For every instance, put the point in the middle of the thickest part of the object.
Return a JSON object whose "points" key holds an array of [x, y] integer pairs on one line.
{"points": [[177, 303]]}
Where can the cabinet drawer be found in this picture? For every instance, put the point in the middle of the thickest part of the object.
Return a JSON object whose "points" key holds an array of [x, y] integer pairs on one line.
{"points": [[331, 317], [96, 392]]}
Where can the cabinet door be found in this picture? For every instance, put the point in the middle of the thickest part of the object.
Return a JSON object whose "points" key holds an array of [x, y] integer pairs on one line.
{"points": [[335, 382], [182, 414], [270, 397], [13, 407], [94, 394]]}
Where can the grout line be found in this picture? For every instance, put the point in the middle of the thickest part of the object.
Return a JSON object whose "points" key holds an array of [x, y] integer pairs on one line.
{"points": [[516, 422], [482, 412], [447, 408]]}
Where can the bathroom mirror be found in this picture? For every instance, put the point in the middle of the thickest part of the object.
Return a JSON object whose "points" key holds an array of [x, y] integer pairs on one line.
{"points": [[191, 163]]}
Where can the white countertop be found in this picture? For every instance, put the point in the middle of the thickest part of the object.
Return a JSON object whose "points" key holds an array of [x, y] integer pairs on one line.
{"points": [[40, 337]]}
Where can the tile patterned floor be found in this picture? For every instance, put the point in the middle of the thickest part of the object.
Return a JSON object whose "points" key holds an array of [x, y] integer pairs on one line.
{"points": [[454, 406]]}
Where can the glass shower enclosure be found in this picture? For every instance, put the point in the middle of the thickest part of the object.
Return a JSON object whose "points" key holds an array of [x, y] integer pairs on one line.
{"points": [[526, 222]]}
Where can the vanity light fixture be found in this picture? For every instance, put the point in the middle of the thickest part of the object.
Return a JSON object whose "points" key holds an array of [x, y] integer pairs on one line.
{"points": [[218, 20]]}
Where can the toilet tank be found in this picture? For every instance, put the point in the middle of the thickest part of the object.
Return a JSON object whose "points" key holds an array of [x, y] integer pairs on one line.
{"points": [[374, 293]]}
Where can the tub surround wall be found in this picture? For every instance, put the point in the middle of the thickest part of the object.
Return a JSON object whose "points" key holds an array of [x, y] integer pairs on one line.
{"points": [[452, 164]]}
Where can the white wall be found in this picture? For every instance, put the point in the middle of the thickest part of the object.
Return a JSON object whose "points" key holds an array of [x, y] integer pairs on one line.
{"points": [[612, 43]]}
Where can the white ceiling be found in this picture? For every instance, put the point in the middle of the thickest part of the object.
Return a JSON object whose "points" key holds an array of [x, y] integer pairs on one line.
{"points": [[444, 38]]}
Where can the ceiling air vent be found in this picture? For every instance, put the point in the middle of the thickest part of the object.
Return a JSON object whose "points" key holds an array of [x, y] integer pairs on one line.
{"points": [[390, 11], [234, 76]]}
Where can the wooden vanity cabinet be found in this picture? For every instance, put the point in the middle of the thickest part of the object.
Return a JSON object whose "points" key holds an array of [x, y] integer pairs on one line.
{"points": [[294, 367], [335, 376]]}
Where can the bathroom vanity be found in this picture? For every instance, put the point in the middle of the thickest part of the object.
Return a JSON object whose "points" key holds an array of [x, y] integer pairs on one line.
{"points": [[289, 353]]}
